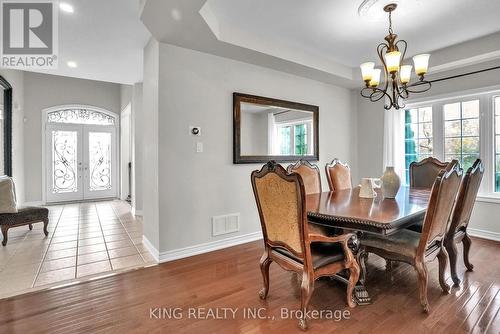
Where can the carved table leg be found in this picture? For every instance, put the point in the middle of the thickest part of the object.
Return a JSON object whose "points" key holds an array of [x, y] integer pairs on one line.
{"points": [[360, 293], [5, 229]]}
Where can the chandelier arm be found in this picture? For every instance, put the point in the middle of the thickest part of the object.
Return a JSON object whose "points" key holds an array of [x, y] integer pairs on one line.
{"points": [[380, 49], [419, 87]]}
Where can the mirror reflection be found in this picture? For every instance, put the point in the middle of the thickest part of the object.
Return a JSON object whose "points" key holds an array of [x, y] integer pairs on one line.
{"points": [[271, 130]]}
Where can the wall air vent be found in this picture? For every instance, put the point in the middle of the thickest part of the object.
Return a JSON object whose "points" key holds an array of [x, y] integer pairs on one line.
{"points": [[225, 224]]}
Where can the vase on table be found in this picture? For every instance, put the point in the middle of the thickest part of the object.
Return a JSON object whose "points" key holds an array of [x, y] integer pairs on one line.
{"points": [[390, 183]]}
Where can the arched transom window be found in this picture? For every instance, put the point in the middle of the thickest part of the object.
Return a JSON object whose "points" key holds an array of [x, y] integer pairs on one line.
{"points": [[80, 116]]}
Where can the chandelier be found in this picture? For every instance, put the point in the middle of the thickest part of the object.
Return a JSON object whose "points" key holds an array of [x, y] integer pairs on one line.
{"points": [[396, 86]]}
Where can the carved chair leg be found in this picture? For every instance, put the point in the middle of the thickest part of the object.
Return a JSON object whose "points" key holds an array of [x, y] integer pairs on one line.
{"points": [[361, 257], [45, 225], [307, 289], [467, 242], [5, 228], [443, 261], [265, 262], [421, 269], [30, 226], [353, 280], [451, 248]]}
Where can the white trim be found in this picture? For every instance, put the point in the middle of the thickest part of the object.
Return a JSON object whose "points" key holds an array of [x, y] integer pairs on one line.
{"points": [[33, 203], [414, 103], [151, 249], [488, 199], [495, 236], [208, 247], [136, 212]]}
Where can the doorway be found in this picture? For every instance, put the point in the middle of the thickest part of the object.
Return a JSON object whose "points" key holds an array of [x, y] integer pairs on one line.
{"points": [[80, 154]]}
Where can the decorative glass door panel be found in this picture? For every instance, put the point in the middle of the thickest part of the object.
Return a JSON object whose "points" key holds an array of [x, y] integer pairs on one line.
{"points": [[100, 153], [64, 163], [81, 162]]}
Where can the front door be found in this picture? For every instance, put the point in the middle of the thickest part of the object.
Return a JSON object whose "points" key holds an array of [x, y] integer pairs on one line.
{"points": [[80, 162]]}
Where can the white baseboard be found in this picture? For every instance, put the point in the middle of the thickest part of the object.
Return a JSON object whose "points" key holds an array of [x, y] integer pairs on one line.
{"points": [[34, 203], [151, 249], [495, 236], [208, 247], [136, 212]]}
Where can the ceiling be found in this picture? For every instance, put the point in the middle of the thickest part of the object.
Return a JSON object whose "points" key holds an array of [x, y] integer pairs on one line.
{"points": [[333, 29], [325, 40], [105, 38]]}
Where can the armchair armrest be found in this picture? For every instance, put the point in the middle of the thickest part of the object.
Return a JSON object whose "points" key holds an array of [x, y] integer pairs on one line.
{"points": [[343, 239]]}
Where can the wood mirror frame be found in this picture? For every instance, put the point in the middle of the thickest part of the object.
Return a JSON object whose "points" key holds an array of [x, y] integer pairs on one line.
{"points": [[7, 126], [239, 98]]}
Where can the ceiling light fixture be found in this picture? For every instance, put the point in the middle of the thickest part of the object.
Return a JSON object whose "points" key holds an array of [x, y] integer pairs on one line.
{"points": [[66, 7], [72, 64], [397, 76]]}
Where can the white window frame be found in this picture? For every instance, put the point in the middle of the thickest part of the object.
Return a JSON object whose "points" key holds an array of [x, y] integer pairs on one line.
{"points": [[486, 130], [309, 126]]}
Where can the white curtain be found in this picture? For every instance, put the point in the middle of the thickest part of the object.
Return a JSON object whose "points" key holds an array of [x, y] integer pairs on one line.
{"points": [[394, 141]]}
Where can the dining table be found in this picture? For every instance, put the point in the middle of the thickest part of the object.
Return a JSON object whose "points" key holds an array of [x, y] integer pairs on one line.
{"points": [[345, 210]]}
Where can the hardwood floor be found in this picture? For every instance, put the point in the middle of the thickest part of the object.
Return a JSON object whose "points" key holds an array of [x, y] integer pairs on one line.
{"points": [[123, 303]]}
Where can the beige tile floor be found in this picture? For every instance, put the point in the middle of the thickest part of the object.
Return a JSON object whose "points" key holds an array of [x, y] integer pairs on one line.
{"points": [[85, 240]]}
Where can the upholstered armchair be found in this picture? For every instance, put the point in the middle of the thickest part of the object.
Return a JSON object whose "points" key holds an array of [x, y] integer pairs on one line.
{"points": [[457, 231], [288, 242], [419, 248], [338, 175]]}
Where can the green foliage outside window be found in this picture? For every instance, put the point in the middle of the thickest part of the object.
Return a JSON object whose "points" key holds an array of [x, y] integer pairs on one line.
{"points": [[300, 139]]}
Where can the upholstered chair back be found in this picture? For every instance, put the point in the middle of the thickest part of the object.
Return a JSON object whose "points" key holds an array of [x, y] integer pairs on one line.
{"points": [[338, 175], [424, 173], [441, 202], [310, 175], [280, 200], [467, 196]]}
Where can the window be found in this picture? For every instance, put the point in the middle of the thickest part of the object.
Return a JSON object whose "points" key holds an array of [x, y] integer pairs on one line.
{"points": [[497, 144], [465, 127], [418, 136], [80, 116], [461, 132], [294, 138]]}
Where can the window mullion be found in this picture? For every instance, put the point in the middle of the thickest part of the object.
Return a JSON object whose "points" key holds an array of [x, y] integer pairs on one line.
{"points": [[438, 131]]}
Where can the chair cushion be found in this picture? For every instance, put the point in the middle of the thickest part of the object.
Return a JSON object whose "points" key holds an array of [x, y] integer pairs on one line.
{"points": [[24, 215], [7, 195], [417, 227], [323, 253], [404, 242]]}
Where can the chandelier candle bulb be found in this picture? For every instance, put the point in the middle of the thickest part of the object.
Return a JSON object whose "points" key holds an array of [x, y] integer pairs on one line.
{"points": [[392, 60], [375, 78], [405, 74], [367, 71], [421, 63]]}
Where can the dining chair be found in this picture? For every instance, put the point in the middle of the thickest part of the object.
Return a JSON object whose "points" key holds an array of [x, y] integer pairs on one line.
{"points": [[419, 248], [457, 231], [280, 198], [338, 175], [310, 175], [423, 173]]}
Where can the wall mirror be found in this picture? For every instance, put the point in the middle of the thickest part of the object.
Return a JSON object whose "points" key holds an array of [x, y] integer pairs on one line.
{"points": [[5, 127], [269, 129]]}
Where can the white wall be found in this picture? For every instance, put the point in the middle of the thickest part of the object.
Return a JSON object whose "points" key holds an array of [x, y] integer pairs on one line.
{"points": [[371, 129], [196, 89], [43, 91], [16, 80], [137, 149], [151, 229]]}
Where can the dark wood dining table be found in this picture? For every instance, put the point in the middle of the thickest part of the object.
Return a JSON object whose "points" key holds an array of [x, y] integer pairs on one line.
{"points": [[344, 209]]}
